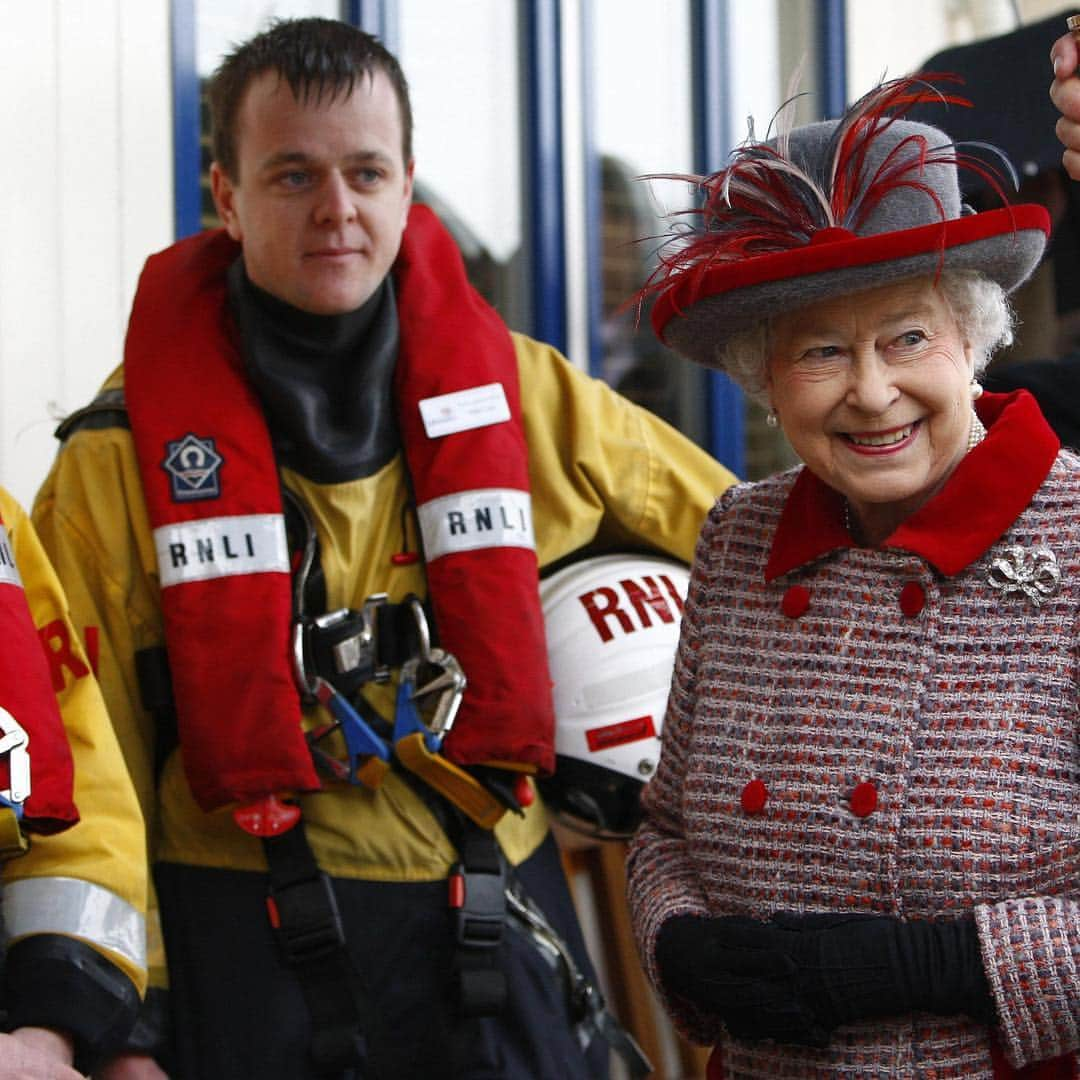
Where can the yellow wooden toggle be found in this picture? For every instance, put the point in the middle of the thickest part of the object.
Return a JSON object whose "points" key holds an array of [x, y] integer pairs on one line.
{"points": [[466, 793], [371, 773]]}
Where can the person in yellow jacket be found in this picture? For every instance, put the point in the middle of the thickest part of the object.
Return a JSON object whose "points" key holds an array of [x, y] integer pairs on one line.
{"points": [[73, 877], [320, 438]]}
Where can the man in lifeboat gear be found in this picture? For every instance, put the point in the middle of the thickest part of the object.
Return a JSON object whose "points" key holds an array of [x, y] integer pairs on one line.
{"points": [[306, 522], [72, 847]]}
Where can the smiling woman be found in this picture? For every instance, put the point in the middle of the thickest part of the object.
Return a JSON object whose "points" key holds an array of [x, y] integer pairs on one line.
{"points": [[856, 857], [875, 396]]}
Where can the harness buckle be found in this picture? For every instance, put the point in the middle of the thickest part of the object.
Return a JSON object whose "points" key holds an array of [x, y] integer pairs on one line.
{"points": [[306, 919], [478, 900], [341, 646], [380, 672], [348, 638]]}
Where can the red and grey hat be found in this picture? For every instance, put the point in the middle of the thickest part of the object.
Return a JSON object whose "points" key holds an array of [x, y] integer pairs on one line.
{"points": [[830, 209]]}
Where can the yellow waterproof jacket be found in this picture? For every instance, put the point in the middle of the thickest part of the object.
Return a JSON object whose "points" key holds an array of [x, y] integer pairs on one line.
{"points": [[605, 475], [86, 885]]}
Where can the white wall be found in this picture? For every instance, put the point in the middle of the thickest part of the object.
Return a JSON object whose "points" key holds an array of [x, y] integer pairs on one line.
{"points": [[85, 194]]}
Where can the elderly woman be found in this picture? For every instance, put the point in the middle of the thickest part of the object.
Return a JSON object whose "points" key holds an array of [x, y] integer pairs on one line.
{"points": [[861, 850]]}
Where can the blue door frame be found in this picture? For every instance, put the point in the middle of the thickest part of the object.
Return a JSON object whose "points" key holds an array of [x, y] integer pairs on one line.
{"points": [[713, 141], [187, 199]]}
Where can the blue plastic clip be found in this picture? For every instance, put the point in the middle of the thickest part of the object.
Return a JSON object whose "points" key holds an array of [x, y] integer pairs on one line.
{"points": [[407, 720], [360, 740]]}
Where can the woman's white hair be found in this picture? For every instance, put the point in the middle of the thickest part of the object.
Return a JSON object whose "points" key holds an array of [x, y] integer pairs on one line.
{"points": [[978, 305]]}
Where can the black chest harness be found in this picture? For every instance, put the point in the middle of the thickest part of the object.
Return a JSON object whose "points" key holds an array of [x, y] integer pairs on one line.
{"points": [[334, 656]]}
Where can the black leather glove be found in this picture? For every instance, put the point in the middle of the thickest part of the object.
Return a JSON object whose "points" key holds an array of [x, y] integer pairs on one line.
{"points": [[798, 977]]}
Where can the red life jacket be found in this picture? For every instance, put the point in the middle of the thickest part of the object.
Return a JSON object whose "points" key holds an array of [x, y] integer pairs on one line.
{"points": [[26, 693], [212, 492]]}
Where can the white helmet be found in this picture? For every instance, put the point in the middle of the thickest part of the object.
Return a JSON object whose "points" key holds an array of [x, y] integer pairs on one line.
{"points": [[612, 630]]}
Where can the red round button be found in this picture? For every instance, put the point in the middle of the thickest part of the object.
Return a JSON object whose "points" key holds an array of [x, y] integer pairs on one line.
{"points": [[912, 599], [864, 799], [754, 797], [796, 601]]}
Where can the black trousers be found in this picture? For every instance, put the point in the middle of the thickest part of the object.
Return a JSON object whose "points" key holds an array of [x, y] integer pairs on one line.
{"points": [[237, 1012]]}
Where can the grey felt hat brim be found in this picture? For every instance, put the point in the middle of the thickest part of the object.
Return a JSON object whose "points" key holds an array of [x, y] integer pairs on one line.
{"points": [[696, 331], [912, 224]]}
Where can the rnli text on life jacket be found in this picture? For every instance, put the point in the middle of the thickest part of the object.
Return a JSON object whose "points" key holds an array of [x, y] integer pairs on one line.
{"points": [[221, 547], [476, 519]]}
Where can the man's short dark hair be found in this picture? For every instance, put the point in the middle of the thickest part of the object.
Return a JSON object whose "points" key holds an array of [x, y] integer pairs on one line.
{"points": [[318, 58]]}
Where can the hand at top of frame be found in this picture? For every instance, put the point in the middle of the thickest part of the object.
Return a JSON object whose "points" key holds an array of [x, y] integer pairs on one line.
{"points": [[1065, 93]]}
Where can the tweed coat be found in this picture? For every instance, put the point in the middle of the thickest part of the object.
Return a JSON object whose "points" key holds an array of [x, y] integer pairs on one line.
{"points": [[889, 730]]}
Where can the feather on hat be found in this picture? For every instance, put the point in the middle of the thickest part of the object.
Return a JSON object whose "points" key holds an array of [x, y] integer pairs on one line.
{"points": [[830, 209]]}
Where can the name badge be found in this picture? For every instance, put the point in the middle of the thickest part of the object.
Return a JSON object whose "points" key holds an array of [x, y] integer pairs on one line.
{"points": [[463, 410]]}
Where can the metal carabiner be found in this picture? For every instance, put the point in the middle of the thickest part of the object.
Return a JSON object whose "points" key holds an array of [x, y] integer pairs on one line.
{"points": [[448, 680], [306, 682], [445, 684], [423, 631], [418, 740], [13, 742]]}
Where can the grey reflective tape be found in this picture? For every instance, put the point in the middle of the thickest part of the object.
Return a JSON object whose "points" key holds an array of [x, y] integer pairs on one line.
{"points": [[9, 572], [472, 520], [62, 905], [221, 547]]}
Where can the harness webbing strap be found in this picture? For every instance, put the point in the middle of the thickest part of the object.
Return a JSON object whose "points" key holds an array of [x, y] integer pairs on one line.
{"points": [[477, 888], [304, 913]]}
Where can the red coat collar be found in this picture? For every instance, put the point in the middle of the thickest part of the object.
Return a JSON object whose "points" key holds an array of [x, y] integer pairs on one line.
{"points": [[982, 498]]}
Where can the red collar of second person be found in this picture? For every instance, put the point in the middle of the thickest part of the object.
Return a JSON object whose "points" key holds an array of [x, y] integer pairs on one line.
{"points": [[984, 496]]}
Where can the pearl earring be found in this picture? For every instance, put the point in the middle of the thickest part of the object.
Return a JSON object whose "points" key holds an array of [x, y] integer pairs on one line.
{"points": [[771, 419], [976, 390]]}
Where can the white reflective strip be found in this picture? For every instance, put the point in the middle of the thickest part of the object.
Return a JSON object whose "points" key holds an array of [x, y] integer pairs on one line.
{"points": [[61, 905], [9, 572], [470, 520], [221, 547]]}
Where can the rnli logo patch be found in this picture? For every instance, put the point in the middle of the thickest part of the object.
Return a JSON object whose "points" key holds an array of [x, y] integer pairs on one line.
{"points": [[194, 466]]}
